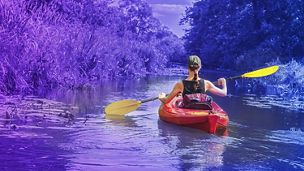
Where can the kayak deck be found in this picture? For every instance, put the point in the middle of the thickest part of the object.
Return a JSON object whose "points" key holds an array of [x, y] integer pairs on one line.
{"points": [[206, 120]]}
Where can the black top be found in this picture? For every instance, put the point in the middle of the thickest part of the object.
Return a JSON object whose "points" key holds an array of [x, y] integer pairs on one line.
{"points": [[189, 87]]}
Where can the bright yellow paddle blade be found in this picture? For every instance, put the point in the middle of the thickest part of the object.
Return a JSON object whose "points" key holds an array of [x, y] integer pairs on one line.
{"points": [[122, 107], [262, 72]]}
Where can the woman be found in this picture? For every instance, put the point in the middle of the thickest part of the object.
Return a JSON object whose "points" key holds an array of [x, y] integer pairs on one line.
{"points": [[193, 84]]}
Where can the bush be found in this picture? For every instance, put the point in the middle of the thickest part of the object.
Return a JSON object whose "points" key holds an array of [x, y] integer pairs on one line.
{"points": [[287, 81], [49, 43], [244, 34]]}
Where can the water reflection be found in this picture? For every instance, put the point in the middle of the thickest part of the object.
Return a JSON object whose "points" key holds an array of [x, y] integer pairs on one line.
{"points": [[191, 147], [31, 151], [120, 120], [260, 136], [140, 140]]}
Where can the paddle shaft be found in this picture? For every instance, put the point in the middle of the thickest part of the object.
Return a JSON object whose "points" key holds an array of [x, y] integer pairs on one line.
{"points": [[230, 79], [215, 82], [152, 99], [148, 100], [123, 107]]}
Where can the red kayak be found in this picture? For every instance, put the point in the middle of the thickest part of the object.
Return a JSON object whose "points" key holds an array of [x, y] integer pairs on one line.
{"points": [[207, 120]]}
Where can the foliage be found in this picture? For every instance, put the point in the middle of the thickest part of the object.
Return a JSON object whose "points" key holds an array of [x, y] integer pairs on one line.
{"points": [[245, 34], [50, 43], [287, 82]]}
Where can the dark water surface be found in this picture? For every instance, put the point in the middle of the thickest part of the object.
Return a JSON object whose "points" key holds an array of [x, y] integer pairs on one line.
{"points": [[264, 134]]}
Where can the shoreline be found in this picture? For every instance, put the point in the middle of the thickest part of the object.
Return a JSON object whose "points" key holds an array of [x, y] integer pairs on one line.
{"points": [[30, 110]]}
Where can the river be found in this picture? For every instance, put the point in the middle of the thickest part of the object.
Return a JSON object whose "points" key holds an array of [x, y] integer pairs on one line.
{"points": [[265, 133]]}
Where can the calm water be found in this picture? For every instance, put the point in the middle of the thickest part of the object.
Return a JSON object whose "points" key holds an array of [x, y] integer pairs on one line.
{"points": [[264, 134]]}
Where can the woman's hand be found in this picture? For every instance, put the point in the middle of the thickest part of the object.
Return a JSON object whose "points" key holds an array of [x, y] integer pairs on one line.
{"points": [[161, 95], [215, 90], [221, 82], [177, 89]]}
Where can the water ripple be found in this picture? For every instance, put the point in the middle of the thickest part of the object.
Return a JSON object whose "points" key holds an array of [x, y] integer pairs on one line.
{"points": [[287, 136], [270, 101]]}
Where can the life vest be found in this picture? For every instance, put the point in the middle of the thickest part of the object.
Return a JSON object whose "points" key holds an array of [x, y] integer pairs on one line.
{"points": [[196, 99]]}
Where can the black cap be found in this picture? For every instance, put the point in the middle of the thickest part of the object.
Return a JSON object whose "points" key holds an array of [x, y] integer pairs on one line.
{"points": [[193, 59]]}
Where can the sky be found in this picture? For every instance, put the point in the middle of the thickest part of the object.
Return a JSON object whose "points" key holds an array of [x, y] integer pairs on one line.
{"points": [[169, 12]]}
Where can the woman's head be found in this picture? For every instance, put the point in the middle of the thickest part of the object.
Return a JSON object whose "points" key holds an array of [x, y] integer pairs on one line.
{"points": [[194, 63]]}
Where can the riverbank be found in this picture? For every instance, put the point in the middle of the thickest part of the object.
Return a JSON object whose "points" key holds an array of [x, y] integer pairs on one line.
{"points": [[17, 111]]}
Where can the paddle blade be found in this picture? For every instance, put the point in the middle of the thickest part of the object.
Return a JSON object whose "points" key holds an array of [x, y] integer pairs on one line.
{"points": [[122, 107], [262, 72]]}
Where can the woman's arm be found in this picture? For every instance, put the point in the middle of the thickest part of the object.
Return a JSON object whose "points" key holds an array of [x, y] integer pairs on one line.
{"points": [[177, 89], [215, 90]]}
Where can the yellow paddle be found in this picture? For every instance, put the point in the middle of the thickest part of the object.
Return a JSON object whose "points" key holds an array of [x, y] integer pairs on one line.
{"points": [[254, 74], [123, 107]]}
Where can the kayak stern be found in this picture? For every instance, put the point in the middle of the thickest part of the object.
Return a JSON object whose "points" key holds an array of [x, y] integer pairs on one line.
{"points": [[205, 120]]}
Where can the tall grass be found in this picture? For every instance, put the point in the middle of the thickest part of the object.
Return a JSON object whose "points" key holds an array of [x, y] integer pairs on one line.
{"points": [[49, 43]]}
